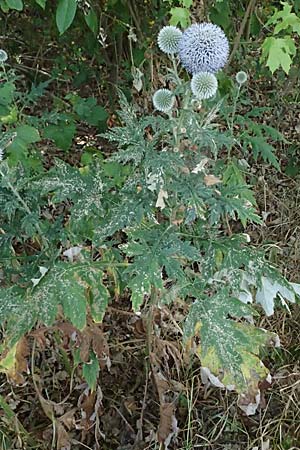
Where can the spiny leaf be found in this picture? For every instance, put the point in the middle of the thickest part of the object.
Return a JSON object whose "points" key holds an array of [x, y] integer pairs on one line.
{"points": [[84, 189], [246, 270], [68, 284], [229, 349], [150, 259], [267, 151]]}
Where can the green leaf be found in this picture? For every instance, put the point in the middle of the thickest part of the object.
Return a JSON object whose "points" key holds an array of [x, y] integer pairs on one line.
{"points": [[88, 110], [150, 259], [15, 4], [90, 371], [278, 52], [41, 3], [186, 3], [248, 270], [220, 14], [91, 20], [99, 295], [233, 176], [124, 214], [26, 135], [62, 134], [229, 349], [180, 16], [285, 19], [291, 21], [83, 189], [65, 14], [18, 314], [261, 147], [68, 284], [7, 91], [4, 7]]}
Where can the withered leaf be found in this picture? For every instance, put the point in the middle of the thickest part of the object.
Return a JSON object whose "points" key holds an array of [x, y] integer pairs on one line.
{"points": [[211, 180]]}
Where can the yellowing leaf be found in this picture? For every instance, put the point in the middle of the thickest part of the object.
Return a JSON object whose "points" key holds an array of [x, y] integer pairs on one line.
{"points": [[228, 348], [14, 361]]}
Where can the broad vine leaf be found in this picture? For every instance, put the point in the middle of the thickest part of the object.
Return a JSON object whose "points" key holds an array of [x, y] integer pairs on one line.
{"points": [[278, 52], [15, 4], [228, 348], [186, 3], [220, 14], [25, 135], [7, 91], [65, 14], [285, 19], [62, 134], [88, 110], [180, 16]]}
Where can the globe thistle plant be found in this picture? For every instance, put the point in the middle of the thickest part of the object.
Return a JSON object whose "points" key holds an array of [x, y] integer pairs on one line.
{"points": [[163, 100], [168, 39], [204, 85], [203, 48], [241, 77], [3, 56]]}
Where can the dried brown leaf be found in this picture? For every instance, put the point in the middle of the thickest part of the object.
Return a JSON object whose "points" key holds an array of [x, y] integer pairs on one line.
{"points": [[211, 180], [63, 438], [167, 424], [68, 419]]}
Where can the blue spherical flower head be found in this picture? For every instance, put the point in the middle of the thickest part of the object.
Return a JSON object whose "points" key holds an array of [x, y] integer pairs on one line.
{"points": [[3, 56], [163, 100], [204, 85], [203, 47], [168, 39]]}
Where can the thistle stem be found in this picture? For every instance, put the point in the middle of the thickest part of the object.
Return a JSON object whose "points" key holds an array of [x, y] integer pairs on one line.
{"points": [[233, 114], [175, 70]]}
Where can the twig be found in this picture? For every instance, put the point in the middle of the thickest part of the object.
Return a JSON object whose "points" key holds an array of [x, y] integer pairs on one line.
{"points": [[241, 30]]}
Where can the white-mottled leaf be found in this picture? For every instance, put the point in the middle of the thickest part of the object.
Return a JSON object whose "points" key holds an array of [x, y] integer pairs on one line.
{"points": [[228, 349], [162, 195], [269, 290]]}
